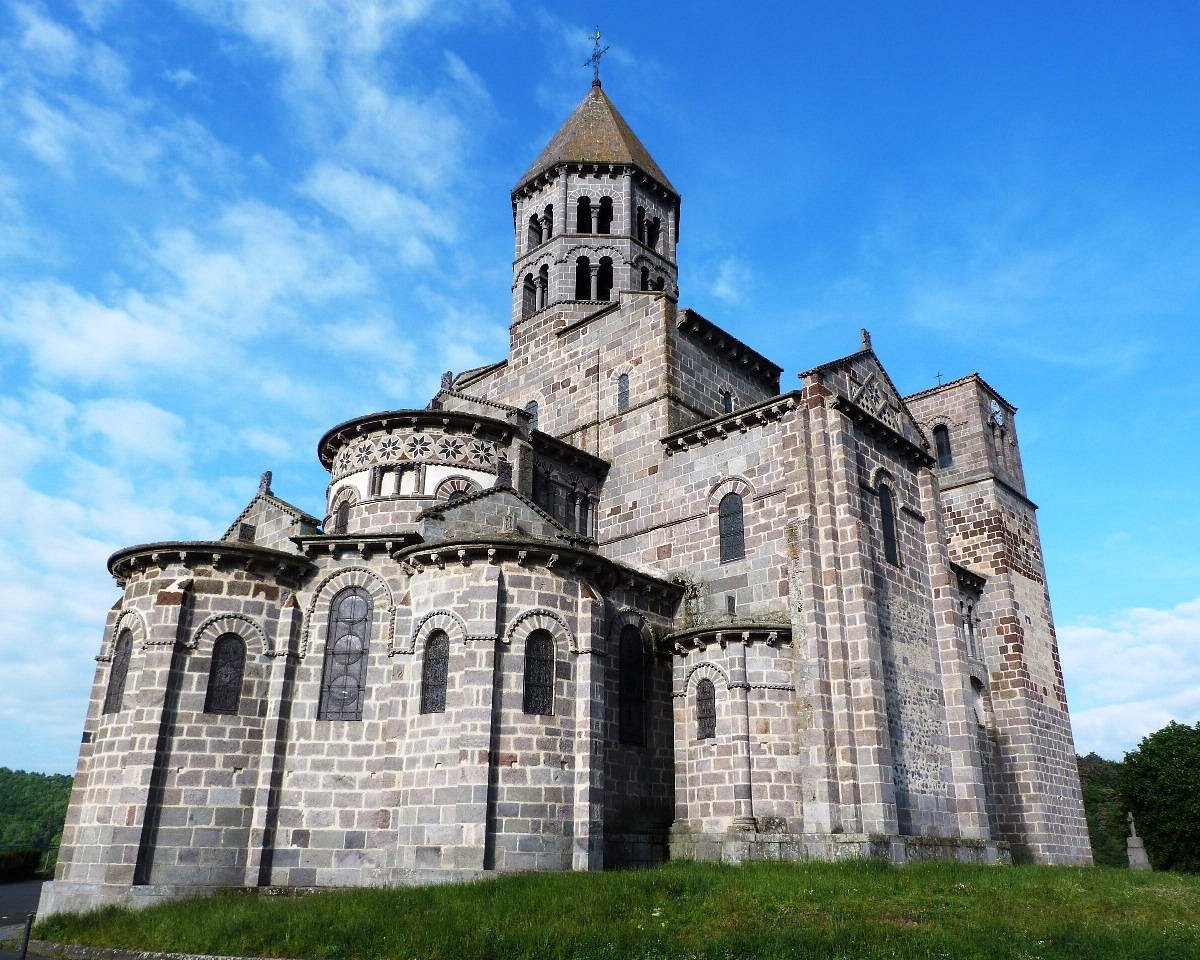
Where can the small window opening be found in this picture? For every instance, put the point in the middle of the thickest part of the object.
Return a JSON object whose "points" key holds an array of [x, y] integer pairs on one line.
{"points": [[225, 674], [341, 518], [604, 279], [604, 216], [941, 440], [118, 672], [583, 216], [543, 287], [246, 532], [622, 393], [731, 528], [434, 672], [660, 283], [887, 522], [726, 401], [706, 710], [533, 233], [548, 222], [631, 688], [730, 604], [539, 673], [528, 296], [583, 279], [653, 230], [645, 278], [641, 224], [531, 408]]}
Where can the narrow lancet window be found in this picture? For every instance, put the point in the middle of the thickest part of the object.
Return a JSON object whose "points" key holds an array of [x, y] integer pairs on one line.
{"points": [[548, 222], [539, 673], [583, 216], [604, 215], [631, 688], [887, 522], [604, 279], [528, 296], [732, 529], [225, 674], [706, 710], [645, 278], [533, 235], [641, 224], [653, 229], [341, 517], [622, 393], [726, 401], [583, 279], [434, 672], [941, 440], [117, 673], [346, 640], [531, 408]]}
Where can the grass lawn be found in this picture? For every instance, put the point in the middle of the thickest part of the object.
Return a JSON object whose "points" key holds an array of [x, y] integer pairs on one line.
{"points": [[690, 910]]}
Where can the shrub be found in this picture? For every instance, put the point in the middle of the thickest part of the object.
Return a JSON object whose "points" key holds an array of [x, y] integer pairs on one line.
{"points": [[1161, 783]]}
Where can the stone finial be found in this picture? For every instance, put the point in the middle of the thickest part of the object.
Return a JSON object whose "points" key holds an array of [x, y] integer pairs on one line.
{"points": [[504, 477], [866, 338], [448, 380], [264, 482]]}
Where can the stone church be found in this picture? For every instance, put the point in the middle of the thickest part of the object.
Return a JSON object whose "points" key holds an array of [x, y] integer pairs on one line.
{"points": [[613, 599]]}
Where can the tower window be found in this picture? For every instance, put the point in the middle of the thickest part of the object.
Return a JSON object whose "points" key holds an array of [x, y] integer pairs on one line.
{"points": [[604, 279], [533, 234], [653, 229], [645, 278], [345, 669], [604, 215], [583, 279], [726, 401], [660, 283], [539, 673], [531, 408], [543, 287], [118, 672], [631, 690], [706, 710], [731, 527], [225, 674], [641, 225], [548, 222], [528, 296], [583, 215], [341, 518], [434, 672], [887, 522], [941, 440], [622, 393]]}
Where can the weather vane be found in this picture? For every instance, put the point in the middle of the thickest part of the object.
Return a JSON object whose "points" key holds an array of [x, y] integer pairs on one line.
{"points": [[597, 52]]}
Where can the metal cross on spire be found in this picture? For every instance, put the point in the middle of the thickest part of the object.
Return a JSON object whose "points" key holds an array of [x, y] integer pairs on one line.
{"points": [[594, 60]]}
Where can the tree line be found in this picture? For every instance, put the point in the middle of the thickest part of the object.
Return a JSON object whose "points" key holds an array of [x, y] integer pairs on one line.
{"points": [[32, 809]]}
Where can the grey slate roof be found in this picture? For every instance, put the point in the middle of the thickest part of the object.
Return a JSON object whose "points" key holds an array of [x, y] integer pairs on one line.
{"points": [[596, 133]]}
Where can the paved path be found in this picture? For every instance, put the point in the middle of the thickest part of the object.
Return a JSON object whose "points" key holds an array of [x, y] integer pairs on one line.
{"points": [[18, 899]]}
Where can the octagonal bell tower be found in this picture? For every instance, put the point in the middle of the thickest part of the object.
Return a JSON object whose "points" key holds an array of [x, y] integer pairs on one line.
{"points": [[594, 214]]}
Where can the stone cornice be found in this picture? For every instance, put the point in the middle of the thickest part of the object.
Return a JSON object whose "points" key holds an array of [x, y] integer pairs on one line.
{"points": [[470, 423], [718, 428], [545, 443], [365, 545], [720, 634], [263, 560], [698, 327], [559, 558]]}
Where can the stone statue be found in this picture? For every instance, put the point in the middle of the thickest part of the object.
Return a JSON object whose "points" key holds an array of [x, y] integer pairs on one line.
{"points": [[264, 482], [448, 380]]}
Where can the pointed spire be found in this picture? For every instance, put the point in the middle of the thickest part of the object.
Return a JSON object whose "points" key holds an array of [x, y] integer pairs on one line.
{"points": [[595, 133]]}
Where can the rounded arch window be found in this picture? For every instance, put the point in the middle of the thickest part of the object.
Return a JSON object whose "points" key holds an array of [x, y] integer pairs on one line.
{"points": [[731, 526], [347, 639], [225, 674], [583, 215], [622, 393], [941, 442], [706, 710], [118, 672], [887, 523], [583, 279], [531, 408], [631, 687], [604, 279], [538, 694], [604, 215], [455, 488], [434, 672]]}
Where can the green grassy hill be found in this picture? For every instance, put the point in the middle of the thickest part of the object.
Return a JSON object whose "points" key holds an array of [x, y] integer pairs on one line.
{"points": [[32, 808], [690, 910]]}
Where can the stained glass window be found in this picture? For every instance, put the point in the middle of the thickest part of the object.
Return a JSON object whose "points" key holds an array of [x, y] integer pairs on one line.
{"points": [[631, 692], [733, 534], [539, 673], [434, 672], [345, 666], [706, 710], [622, 393], [225, 674], [887, 521], [117, 673]]}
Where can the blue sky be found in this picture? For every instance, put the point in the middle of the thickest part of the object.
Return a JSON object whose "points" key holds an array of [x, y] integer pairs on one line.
{"points": [[226, 225]]}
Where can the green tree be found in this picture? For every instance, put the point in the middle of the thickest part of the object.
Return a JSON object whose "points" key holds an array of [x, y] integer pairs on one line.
{"points": [[1161, 783], [32, 809], [1105, 809]]}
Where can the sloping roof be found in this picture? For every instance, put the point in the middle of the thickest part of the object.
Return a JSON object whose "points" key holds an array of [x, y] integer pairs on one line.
{"points": [[596, 133], [273, 501]]}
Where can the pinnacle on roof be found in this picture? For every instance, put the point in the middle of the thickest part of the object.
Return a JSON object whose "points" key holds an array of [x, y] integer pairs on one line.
{"points": [[595, 133]]}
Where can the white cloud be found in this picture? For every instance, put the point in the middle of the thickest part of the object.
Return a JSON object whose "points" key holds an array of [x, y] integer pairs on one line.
{"points": [[180, 77], [731, 280], [1129, 676], [135, 429]]}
